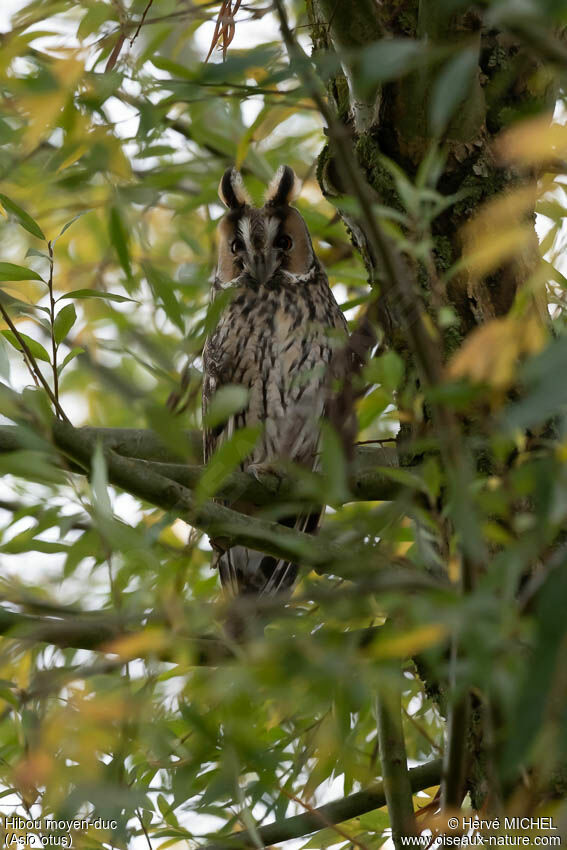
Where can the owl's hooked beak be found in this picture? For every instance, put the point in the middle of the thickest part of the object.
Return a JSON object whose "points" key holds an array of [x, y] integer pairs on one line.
{"points": [[260, 267]]}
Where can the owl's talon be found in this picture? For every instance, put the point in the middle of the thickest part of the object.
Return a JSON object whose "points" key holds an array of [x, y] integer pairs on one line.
{"points": [[267, 475], [219, 544]]}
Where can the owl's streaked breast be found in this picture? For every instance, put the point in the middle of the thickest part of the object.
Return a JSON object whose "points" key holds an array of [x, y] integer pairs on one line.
{"points": [[275, 341]]}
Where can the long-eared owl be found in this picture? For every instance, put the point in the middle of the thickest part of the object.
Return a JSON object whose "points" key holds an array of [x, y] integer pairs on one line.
{"points": [[275, 338]]}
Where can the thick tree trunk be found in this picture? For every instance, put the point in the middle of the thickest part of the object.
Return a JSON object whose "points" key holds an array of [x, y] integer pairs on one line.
{"points": [[394, 120]]}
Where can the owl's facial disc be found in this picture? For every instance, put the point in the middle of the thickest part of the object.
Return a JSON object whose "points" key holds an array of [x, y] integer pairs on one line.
{"points": [[262, 242]]}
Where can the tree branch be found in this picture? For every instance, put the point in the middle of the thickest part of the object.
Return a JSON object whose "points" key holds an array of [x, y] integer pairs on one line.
{"points": [[82, 631], [75, 629], [338, 811], [393, 758], [219, 522], [368, 482]]}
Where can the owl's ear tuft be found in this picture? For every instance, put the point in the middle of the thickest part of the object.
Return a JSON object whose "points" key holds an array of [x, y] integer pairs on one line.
{"points": [[232, 190], [284, 187]]}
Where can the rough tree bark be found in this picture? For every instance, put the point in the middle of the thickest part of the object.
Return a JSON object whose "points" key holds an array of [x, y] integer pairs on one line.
{"points": [[393, 120]]}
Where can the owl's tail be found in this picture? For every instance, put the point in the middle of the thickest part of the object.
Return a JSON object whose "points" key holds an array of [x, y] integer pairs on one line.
{"points": [[248, 573], [247, 576]]}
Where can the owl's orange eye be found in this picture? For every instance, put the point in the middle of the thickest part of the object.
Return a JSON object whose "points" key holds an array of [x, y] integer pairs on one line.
{"points": [[236, 245], [284, 242]]}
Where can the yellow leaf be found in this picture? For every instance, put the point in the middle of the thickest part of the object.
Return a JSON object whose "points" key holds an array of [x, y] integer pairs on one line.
{"points": [[73, 157], [275, 717], [502, 229], [3, 212], [101, 711], [35, 769], [42, 112], [429, 326], [119, 163], [454, 569], [490, 353], [493, 249], [533, 142], [257, 73], [148, 641], [409, 643], [275, 117], [69, 70], [265, 123]]}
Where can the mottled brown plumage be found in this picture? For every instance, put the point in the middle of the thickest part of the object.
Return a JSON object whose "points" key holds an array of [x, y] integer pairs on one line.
{"points": [[276, 338]]}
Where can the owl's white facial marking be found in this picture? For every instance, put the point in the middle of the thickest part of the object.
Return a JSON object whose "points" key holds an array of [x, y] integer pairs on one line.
{"points": [[255, 250], [245, 228], [272, 227]]}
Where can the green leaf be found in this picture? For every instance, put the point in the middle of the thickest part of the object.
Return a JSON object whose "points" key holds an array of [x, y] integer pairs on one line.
{"points": [[91, 293], [33, 252], [371, 406], [405, 478], [96, 15], [36, 349], [22, 217], [451, 88], [227, 401], [228, 456], [25, 542], [69, 223], [64, 321], [163, 289], [386, 370], [333, 465], [173, 68], [389, 59], [88, 545], [11, 272], [71, 356], [377, 821], [545, 394], [4, 361], [32, 466], [393, 370], [324, 839], [119, 240], [540, 680]]}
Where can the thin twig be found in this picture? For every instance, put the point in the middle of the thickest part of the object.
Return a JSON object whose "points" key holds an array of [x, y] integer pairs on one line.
{"points": [[430, 740], [52, 318], [33, 364], [138, 813], [140, 25], [113, 58]]}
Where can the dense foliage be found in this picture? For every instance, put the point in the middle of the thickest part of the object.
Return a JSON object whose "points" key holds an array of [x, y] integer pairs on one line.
{"points": [[436, 587]]}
